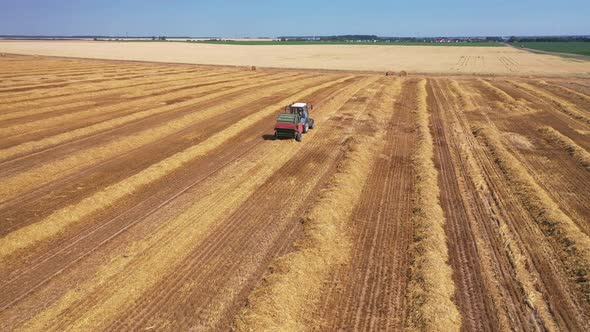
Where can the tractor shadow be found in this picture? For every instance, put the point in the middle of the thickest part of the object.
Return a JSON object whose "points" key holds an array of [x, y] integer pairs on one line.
{"points": [[268, 137]]}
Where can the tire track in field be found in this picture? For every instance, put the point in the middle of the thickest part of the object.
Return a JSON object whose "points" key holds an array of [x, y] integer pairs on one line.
{"points": [[562, 106], [543, 112], [538, 257], [136, 113], [112, 84], [507, 282], [583, 91], [431, 287], [287, 297], [31, 105], [190, 243], [10, 118], [558, 177], [67, 216], [93, 72], [202, 167], [34, 65], [575, 98], [562, 297], [53, 71], [146, 79], [190, 130], [203, 208], [580, 155], [107, 107], [538, 280], [128, 116], [477, 311], [96, 114], [100, 93], [264, 224], [138, 211], [167, 122], [381, 237], [71, 74], [68, 83], [150, 117], [546, 112]]}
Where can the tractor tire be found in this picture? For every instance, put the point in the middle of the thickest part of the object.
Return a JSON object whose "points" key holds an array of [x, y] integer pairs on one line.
{"points": [[298, 137], [305, 128], [311, 124]]}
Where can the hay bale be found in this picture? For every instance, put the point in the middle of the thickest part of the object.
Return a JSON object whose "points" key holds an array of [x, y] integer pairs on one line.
{"points": [[389, 73], [403, 73], [253, 68]]}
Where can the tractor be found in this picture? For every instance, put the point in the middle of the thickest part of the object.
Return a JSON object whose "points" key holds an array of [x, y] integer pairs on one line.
{"points": [[294, 121]]}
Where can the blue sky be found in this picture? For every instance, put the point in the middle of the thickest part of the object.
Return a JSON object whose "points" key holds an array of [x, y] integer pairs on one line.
{"points": [[234, 18]]}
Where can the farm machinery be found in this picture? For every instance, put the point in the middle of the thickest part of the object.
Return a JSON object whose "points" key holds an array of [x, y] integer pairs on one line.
{"points": [[294, 121]]}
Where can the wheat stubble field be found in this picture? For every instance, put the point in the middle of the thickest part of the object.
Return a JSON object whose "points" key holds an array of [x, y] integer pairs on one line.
{"points": [[143, 196], [501, 60]]}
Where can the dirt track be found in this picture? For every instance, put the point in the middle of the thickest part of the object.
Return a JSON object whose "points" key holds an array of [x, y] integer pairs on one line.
{"points": [[150, 196]]}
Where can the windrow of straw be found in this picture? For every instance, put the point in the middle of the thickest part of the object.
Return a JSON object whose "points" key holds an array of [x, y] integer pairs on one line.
{"points": [[63, 83], [498, 92], [93, 93], [49, 171], [125, 105], [39, 104], [563, 105], [32, 146], [287, 298], [573, 92], [234, 77], [431, 288], [47, 85], [506, 100], [580, 154], [61, 219], [61, 68], [151, 261], [46, 109], [90, 74], [467, 103], [96, 89], [572, 244], [517, 259]]}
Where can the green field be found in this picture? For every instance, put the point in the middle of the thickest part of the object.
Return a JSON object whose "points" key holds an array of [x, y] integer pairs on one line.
{"points": [[231, 42], [581, 48]]}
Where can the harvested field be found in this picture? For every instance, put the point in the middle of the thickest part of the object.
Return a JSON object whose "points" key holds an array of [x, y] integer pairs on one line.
{"points": [[144, 196], [502, 60]]}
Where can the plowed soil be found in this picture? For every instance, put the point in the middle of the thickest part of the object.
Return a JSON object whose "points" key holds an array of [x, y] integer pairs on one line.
{"points": [[143, 196]]}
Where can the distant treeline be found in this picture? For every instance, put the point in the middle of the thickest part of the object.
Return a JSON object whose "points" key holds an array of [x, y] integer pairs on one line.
{"points": [[371, 38], [339, 38], [138, 38], [79, 37], [549, 39]]}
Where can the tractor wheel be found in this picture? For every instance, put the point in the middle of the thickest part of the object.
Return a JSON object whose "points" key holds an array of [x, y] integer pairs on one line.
{"points": [[311, 124], [298, 137], [306, 128]]}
